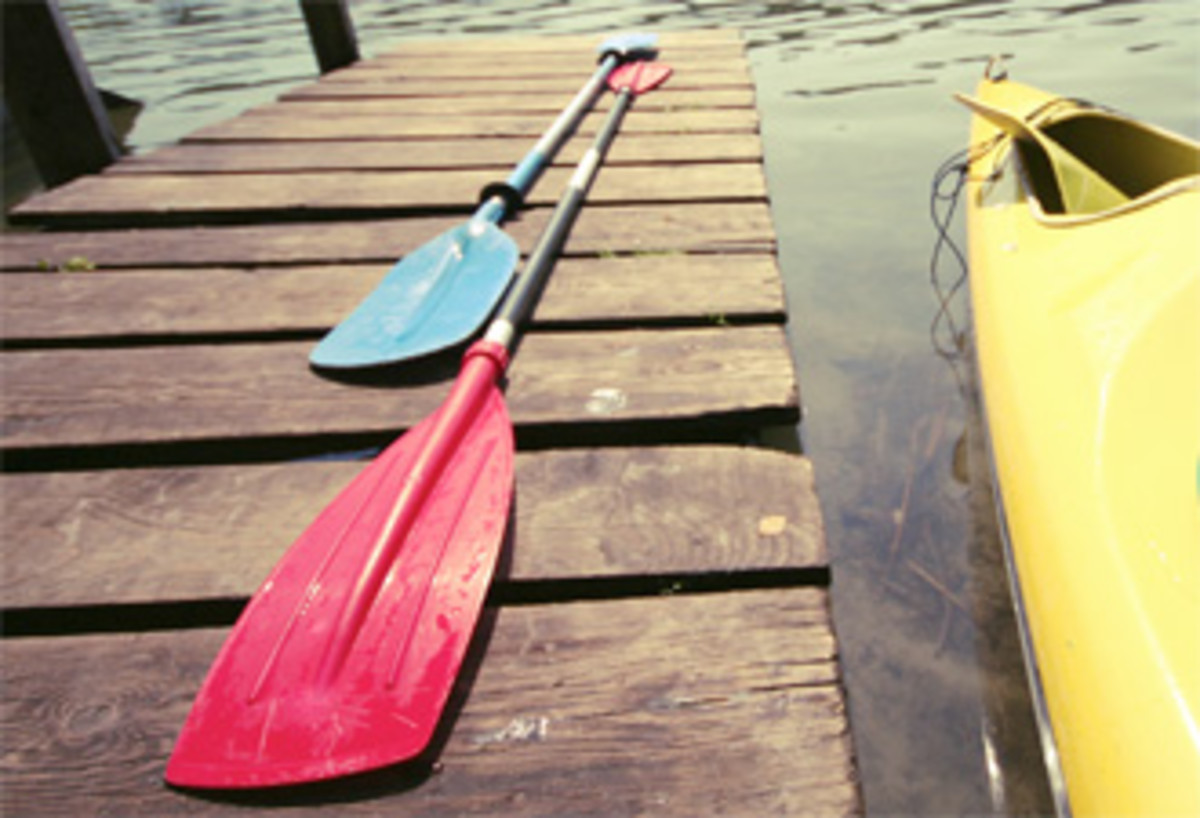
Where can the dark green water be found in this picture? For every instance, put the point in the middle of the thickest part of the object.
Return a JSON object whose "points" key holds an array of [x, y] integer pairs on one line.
{"points": [[856, 116]]}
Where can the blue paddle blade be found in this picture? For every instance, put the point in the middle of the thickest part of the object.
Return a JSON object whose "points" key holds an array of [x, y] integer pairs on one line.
{"points": [[434, 298]]}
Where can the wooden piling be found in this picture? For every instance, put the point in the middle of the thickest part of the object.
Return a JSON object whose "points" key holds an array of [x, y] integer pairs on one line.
{"points": [[331, 31], [50, 94]]}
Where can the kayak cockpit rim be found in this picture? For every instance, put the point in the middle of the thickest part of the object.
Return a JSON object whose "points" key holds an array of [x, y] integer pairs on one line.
{"points": [[1107, 143]]}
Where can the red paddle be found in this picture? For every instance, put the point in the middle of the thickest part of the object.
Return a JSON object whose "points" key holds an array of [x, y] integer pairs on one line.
{"points": [[343, 660]]}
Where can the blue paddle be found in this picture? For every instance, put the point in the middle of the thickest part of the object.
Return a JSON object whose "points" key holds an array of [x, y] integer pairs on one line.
{"points": [[440, 294]]}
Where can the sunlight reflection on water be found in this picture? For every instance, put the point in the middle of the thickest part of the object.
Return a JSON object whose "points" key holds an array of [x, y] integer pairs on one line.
{"points": [[856, 117]]}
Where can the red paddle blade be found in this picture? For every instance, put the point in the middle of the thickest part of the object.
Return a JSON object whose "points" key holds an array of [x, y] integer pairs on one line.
{"points": [[345, 657], [639, 77]]}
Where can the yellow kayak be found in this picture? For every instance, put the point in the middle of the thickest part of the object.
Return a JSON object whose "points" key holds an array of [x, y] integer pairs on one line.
{"points": [[1084, 248]]}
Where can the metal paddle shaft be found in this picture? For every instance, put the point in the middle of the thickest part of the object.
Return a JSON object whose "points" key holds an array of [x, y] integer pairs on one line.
{"points": [[345, 657], [630, 79], [613, 52], [440, 295]]}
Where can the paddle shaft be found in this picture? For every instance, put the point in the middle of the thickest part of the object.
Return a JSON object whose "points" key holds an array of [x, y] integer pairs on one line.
{"points": [[482, 367], [523, 295], [530, 168], [500, 199]]}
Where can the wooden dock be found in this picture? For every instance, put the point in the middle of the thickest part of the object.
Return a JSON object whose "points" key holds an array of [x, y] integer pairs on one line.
{"points": [[658, 640]]}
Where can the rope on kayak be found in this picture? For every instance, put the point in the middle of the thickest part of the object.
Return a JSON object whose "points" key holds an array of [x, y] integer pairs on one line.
{"points": [[948, 183], [949, 180]]}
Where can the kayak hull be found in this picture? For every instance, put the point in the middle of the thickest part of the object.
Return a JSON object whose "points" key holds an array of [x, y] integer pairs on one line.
{"points": [[1088, 345]]}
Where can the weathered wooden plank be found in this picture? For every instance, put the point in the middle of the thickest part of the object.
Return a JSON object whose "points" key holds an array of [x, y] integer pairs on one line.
{"points": [[255, 125], [705, 39], [140, 199], [677, 46], [163, 303], [319, 96], [685, 705], [460, 99], [700, 228], [698, 68], [455, 63], [399, 84], [730, 376], [484, 105], [170, 535], [499, 154], [713, 56]]}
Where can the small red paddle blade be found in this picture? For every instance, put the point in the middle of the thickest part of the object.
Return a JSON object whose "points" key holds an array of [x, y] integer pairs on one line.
{"points": [[639, 77], [287, 701]]}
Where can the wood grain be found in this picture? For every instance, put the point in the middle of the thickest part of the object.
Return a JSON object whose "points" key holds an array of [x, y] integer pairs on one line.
{"points": [[369, 98], [136, 199], [400, 83], [181, 534], [552, 56], [496, 154], [66, 398], [701, 228], [725, 703], [694, 40], [165, 303], [490, 100], [278, 126]]}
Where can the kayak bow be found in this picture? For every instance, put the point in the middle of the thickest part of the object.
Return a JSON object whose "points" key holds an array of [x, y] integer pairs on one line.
{"points": [[1085, 280]]}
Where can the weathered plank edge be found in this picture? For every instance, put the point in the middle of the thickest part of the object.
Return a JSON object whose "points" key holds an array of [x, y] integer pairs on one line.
{"points": [[144, 200], [610, 230], [567, 386], [616, 518], [681, 676], [116, 307]]}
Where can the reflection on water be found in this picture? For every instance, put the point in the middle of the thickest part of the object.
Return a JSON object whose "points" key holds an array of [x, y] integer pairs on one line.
{"points": [[856, 118]]}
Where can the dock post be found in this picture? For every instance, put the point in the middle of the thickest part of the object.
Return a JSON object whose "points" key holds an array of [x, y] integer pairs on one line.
{"points": [[332, 33], [50, 94]]}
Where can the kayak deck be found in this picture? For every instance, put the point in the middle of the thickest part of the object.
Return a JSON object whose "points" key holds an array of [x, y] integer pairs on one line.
{"points": [[166, 441], [1089, 357]]}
